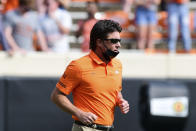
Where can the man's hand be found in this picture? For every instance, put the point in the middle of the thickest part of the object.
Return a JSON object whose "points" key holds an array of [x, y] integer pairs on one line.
{"points": [[124, 106], [65, 104], [122, 103], [87, 117]]}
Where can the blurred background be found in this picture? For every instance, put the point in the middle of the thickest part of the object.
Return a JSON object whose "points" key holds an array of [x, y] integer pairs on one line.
{"points": [[38, 39]]}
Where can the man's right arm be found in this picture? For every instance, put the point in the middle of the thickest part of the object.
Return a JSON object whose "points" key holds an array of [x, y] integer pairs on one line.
{"points": [[65, 104]]}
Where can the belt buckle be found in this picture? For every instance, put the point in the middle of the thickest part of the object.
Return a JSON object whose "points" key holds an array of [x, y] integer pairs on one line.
{"points": [[108, 129], [94, 126]]}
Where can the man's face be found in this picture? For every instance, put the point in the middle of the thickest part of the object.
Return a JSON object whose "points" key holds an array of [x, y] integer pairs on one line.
{"points": [[113, 41], [92, 9], [52, 5]]}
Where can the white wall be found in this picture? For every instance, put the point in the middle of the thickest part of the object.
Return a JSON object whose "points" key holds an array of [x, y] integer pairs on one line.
{"points": [[135, 64]]}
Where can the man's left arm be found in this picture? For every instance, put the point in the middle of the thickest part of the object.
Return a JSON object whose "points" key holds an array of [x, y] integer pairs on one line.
{"points": [[123, 104]]}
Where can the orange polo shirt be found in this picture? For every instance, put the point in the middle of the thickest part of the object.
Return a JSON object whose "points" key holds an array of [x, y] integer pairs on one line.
{"points": [[94, 86]]}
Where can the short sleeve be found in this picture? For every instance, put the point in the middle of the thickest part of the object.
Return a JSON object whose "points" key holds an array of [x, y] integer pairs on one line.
{"points": [[70, 79]]}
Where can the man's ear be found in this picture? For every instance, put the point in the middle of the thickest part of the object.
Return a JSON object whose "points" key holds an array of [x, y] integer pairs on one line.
{"points": [[99, 42]]}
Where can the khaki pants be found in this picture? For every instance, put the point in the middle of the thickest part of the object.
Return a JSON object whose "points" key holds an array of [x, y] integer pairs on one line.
{"points": [[82, 128]]}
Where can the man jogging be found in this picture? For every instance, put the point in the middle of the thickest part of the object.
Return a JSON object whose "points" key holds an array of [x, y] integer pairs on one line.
{"points": [[95, 81]]}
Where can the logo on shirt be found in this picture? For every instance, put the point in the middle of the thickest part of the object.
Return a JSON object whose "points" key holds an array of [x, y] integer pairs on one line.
{"points": [[61, 83], [116, 72]]}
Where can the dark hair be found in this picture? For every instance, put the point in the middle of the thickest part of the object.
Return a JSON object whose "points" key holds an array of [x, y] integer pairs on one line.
{"points": [[101, 29], [24, 2], [26, 5]]}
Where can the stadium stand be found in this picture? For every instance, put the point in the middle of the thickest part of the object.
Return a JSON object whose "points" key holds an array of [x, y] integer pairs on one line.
{"points": [[113, 9], [108, 9], [161, 35], [128, 32]]}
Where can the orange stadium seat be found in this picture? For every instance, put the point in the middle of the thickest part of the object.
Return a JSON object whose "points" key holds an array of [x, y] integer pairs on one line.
{"points": [[126, 33], [35, 43], [162, 19], [119, 16], [162, 26], [158, 35], [123, 18]]}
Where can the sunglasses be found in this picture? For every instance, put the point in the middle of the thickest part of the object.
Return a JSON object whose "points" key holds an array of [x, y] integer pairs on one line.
{"points": [[113, 41]]}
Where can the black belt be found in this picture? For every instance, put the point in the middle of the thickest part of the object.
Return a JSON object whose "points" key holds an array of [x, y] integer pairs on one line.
{"points": [[95, 126]]}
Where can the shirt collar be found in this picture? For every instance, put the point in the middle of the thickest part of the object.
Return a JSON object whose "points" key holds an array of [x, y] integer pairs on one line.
{"points": [[95, 58]]}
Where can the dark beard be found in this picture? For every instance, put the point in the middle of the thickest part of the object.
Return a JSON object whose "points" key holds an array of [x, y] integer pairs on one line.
{"points": [[109, 54]]}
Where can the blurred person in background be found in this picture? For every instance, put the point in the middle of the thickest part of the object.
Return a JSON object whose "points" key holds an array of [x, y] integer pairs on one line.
{"points": [[163, 5], [127, 5], [146, 19], [178, 13], [64, 4], [95, 81], [3, 42], [21, 26], [40, 7], [56, 24], [9, 5], [86, 25]]}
